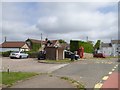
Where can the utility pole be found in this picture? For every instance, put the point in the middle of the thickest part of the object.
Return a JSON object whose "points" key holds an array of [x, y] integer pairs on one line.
{"points": [[41, 41], [5, 39], [87, 38]]}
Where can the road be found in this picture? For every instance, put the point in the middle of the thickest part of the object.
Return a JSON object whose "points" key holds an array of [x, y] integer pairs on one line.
{"points": [[88, 72]]}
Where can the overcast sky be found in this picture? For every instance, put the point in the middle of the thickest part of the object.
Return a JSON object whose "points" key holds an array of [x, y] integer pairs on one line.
{"points": [[59, 20]]}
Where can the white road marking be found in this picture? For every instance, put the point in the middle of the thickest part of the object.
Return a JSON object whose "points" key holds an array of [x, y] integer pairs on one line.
{"points": [[113, 69]]}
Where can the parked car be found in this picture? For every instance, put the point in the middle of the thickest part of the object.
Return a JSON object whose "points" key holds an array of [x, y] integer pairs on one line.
{"points": [[99, 55], [67, 54], [41, 55], [18, 54]]}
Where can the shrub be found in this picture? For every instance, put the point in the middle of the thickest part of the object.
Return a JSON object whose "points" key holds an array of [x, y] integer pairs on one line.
{"points": [[32, 54], [6, 54], [74, 45]]}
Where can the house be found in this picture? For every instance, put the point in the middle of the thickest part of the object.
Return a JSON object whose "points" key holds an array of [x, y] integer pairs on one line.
{"points": [[33, 43], [13, 46], [107, 49], [54, 50], [116, 47], [111, 49]]}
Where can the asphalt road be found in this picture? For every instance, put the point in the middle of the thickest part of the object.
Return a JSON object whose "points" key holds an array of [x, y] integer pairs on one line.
{"points": [[88, 72]]}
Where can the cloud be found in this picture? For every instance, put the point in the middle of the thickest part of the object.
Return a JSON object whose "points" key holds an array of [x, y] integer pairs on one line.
{"points": [[60, 20]]}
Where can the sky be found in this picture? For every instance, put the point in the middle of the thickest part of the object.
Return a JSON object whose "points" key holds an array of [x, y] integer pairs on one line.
{"points": [[59, 20]]}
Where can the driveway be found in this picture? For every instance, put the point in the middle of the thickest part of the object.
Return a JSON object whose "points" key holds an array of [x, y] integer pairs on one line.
{"points": [[88, 72], [28, 65]]}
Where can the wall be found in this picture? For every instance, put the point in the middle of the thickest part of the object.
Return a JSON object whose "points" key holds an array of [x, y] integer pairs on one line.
{"points": [[116, 49], [50, 53], [25, 48], [60, 54], [9, 49], [88, 55], [107, 51]]}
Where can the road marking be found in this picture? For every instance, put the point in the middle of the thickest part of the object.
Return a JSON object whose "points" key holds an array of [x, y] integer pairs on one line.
{"points": [[80, 77], [116, 65], [105, 78], [110, 73], [113, 69], [98, 85]]}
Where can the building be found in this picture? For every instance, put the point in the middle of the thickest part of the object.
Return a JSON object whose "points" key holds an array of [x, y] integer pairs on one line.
{"points": [[116, 47], [107, 49], [33, 42], [111, 49], [13, 46], [54, 53]]}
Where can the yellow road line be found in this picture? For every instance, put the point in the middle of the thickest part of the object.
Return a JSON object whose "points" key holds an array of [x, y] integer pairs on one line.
{"points": [[98, 85], [110, 73], [105, 78]]}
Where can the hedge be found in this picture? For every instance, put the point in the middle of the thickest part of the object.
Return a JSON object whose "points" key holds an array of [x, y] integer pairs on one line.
{"points": [[32, 54], [6, 54], [75, 45]]}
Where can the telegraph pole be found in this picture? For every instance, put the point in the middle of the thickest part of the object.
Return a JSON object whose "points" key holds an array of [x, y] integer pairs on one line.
{"points": [[41, 40], [87, 38]]}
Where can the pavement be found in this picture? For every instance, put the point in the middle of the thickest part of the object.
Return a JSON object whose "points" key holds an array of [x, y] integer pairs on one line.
{"points": [[44, 81]]}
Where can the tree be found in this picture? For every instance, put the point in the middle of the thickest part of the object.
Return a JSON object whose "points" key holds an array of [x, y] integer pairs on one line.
{"points": [[62, 41], [97, 45]]}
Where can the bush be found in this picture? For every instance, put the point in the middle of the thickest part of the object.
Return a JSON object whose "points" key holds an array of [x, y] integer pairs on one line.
{"points": [[32, 54], [75, 45], [6, 54]]}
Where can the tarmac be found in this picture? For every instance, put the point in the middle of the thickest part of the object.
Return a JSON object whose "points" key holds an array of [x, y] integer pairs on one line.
{"points": [[44, 81]]}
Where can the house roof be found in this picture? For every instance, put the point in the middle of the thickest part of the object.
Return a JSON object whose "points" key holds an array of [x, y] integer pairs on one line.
{"points": [[34, 40], [106, 45], [115, 41], [12, 44]]}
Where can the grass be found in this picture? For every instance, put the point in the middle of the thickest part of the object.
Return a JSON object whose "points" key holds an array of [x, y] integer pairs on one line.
{"points": [[0, 78], [9, 79], [75, 83]]}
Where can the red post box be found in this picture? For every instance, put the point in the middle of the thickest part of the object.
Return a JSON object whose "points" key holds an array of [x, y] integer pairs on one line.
{"points": [[81, 52]]}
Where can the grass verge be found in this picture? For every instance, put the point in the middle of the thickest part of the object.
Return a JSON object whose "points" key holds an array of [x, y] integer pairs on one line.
{"points": [[75, 83], [9, 79]]}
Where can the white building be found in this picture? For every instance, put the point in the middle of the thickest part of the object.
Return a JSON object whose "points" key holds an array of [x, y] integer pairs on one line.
{"points": [[111, 49], [14, 46]]}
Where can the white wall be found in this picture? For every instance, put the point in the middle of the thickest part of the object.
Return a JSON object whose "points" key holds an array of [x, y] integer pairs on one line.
{"points": [[116, 49], [8, 49], [107, 51]]}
